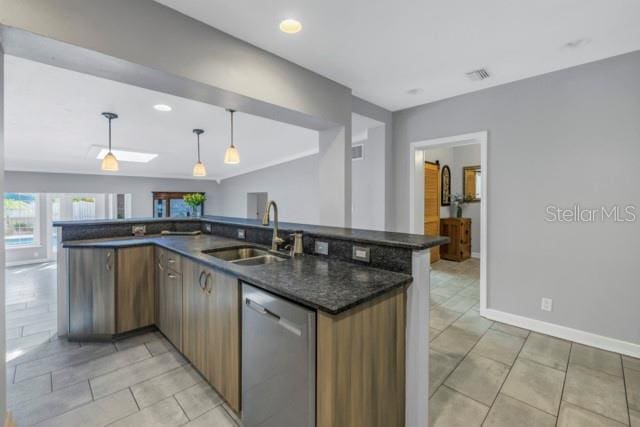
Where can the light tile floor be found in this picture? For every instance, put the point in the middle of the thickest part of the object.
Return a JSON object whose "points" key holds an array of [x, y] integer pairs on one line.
{"points": [[491, 374], [482, 373], [140, 381]]}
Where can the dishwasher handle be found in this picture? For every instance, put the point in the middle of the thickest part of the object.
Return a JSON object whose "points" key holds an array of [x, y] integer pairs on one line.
{"points": [[286, 324]]}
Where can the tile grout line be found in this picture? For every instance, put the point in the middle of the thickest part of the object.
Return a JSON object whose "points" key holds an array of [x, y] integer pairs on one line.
{"points": [[624, 384], [459, 362], [180, 406], [564, 382], [505, 378], [134, 397]]}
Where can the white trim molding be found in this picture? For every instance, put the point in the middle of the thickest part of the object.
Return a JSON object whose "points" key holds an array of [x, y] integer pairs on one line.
{"points": [[475, 255], [564, 332]]}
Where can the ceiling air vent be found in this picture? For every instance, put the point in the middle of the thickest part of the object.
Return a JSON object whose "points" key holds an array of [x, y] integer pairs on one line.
{"points": [[477, 75], [357, 152]]}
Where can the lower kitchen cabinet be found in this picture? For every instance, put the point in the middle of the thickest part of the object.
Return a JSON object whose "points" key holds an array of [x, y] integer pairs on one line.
{"points": [[223, 330], [169, 303], [135, 288], [194, 303], [211, 332], [111, 291], [91, 292]]}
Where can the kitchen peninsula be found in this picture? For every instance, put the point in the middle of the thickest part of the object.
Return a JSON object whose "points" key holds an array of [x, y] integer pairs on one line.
{"points": [[355, 301]]}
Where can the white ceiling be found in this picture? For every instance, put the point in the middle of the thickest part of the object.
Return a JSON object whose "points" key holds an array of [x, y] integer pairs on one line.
{"points": [[383, 48], [53, 118]]}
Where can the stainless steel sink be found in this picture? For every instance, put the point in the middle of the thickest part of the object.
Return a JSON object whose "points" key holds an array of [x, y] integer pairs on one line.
{"points": [[245, 255]]}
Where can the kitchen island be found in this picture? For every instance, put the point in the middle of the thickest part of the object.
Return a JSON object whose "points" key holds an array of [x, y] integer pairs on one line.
{"points": [[370, 336]]}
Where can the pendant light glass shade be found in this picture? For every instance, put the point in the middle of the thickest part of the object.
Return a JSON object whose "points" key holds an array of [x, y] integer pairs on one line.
{"points": [[198, 168], [231, 155], [109, 162]]}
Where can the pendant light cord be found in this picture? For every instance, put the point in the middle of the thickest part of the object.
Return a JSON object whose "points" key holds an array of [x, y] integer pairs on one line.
{"points": [[232, 128], [109, 134], [198, 136]]}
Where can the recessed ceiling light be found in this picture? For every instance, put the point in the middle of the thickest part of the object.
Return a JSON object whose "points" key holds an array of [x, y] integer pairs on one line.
{"points": [[290, 26], [415, 91], [162, 107], [128, 156]]}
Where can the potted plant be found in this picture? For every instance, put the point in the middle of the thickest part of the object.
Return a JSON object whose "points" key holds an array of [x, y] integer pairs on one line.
{"points": [[195, 201]]}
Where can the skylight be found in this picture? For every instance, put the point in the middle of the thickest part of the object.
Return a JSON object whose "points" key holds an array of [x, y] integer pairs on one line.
{"points": [[128, 156]]}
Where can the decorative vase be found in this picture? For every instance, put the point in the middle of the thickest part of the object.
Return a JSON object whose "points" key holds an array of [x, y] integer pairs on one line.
{"points": [[459, 211], [453, 209], [196, 211]]}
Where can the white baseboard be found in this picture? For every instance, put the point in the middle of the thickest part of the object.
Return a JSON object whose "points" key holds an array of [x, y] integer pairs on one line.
{"points": [[475, 255], [564, 332]]}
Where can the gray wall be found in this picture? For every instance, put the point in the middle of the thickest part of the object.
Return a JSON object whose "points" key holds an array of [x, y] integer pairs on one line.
{"points": [[293, 185], [568, 137], [368, 183], [367, 109], [140, 188]]}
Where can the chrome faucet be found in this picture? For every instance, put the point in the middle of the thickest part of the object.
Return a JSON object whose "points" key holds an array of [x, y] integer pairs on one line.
{"points": [[276, 241]]}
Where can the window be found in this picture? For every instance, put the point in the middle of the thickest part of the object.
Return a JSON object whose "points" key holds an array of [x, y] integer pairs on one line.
{"points": [[21, 219], [83, 207]]}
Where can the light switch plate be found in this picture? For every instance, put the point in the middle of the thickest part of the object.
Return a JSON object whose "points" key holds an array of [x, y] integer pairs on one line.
{"points": [[241, 233], [361, 253], [546, 304], [321, 248]]}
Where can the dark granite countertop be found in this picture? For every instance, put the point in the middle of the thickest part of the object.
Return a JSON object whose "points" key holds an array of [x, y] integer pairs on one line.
{"points": [[388, 238], [317, 282]]}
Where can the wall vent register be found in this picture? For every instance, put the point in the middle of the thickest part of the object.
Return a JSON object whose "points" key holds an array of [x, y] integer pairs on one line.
{"points": [[357, 152]]}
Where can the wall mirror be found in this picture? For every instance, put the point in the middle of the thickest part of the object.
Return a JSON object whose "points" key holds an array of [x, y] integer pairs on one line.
{"points": [[471, 183]]}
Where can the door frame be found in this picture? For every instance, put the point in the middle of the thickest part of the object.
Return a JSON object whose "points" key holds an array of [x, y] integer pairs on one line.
{"points": [[416, 192]]}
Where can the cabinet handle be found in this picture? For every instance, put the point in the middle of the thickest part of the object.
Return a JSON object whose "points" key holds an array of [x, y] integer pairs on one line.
{"points": [[202, 285], [171, 261], [207, 283], [160, 266], [171, 276], [108, 265]]}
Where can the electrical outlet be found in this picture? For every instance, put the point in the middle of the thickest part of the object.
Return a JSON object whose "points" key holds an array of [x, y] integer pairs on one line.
{"points": [[546, 304], [321, 248], [207, 228], [361, 253], [241, 233]]}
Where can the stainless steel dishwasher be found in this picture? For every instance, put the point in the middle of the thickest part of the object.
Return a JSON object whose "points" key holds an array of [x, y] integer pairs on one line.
{"points": [[278, 361]]}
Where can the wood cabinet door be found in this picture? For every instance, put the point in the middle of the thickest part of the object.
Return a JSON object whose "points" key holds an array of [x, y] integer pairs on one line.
{"points": [[195, 316], [135, 286], [91, 292], [169, 305], [223, 336]]}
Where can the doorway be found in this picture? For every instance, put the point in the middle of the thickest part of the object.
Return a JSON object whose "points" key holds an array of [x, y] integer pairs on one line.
{"points": [[418, 153], [256, 203]]}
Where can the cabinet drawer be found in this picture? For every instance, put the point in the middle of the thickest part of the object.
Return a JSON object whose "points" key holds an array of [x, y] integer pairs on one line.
{"points": [[169, 260]]}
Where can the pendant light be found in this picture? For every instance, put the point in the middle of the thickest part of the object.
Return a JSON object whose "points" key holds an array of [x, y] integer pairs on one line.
{"points": [[199, 169], [109, 162], [231, 156]]}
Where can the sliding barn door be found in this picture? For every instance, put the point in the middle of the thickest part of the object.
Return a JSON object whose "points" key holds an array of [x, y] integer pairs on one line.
{"points": [[432, 204]]}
